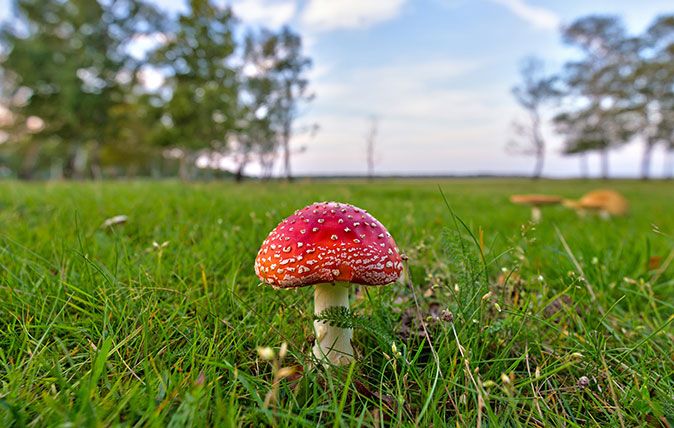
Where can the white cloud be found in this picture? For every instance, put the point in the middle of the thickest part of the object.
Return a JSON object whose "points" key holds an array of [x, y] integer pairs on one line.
{"points": [[428, 121], [419, 91], [539, 17], [326, 15], [270, 13]]}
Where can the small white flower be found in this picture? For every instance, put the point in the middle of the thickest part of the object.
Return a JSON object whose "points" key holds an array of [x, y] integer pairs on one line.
{"points": [[266, 353], [394, 350]]}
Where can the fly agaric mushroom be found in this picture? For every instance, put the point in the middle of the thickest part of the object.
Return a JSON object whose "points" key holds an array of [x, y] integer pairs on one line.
{"points": [[603, 201], [329, 245], [536, 202]]}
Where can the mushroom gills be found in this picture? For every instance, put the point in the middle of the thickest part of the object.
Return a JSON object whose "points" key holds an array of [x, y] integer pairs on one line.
{"points": [[333, 344]]}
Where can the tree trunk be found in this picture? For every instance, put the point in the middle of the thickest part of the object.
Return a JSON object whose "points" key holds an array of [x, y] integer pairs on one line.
{"points": [[646, 161], [286, 152], [539, 145], [604, 163], [69, 166], [29, 162], [584, 169], [95, 162], [80, 162], [184, 167], [668, 172], [238, 176], [538, 167]]}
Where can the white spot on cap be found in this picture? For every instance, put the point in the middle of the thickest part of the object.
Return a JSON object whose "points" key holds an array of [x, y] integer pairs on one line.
{"points": [[334, 237], [287, 249], [346, 229], [356, 224], [321, 221], [300, 245], [315, 229]]}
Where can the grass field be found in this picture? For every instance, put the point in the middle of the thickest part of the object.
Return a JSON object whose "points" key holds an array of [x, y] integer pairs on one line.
{"points": [[158, 321]]}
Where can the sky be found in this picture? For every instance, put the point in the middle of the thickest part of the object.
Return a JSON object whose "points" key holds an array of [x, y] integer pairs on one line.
{"points": [[437, 75]]}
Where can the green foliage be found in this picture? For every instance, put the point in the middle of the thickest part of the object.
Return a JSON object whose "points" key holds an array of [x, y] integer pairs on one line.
{"points": [[79, 105], [620, 90], [68, 65], [279, 78], [338, 316], [201, 110]]}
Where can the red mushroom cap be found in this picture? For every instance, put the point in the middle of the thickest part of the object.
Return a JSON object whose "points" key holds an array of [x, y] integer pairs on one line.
{"points": [[328, 242]]}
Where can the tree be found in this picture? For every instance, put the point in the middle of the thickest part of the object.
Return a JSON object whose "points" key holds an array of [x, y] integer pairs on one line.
{"points": [[532, 93], [654, 80], [587, 130], [68, 66], [647, 76], [595, 87], [200, 114], [256, 97], [286, 68]]}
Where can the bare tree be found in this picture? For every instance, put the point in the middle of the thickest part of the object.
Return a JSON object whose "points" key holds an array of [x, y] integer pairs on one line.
{"points": [[532, 93], [370, 140]]}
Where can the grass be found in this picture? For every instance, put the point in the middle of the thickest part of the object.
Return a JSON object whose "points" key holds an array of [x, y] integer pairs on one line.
{"points": [[158, 321]]}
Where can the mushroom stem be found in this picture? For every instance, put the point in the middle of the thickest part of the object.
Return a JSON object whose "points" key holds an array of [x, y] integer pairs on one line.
{"points": [[333, 344], [536, 214]]}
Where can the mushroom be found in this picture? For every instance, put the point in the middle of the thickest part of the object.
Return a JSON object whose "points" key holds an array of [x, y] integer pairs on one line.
{"points": [[603, 201], [536, 202], [329, 245]]}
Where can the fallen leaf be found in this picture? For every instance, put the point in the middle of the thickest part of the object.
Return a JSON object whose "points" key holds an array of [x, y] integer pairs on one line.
{"points": [[113, 221]]}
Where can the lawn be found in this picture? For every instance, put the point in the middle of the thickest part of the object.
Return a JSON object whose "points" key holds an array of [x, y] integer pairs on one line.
{"points": [[162, 321]]}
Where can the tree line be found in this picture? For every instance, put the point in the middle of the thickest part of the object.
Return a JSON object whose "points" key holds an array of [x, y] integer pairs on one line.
{"points": [[79, 100], [619, 90]]}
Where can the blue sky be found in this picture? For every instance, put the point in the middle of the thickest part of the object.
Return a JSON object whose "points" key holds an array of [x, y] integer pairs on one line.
{"points": [[437, 73]]}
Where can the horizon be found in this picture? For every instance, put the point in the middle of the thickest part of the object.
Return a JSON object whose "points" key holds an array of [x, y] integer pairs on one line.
{"points": [[436, 80]]}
